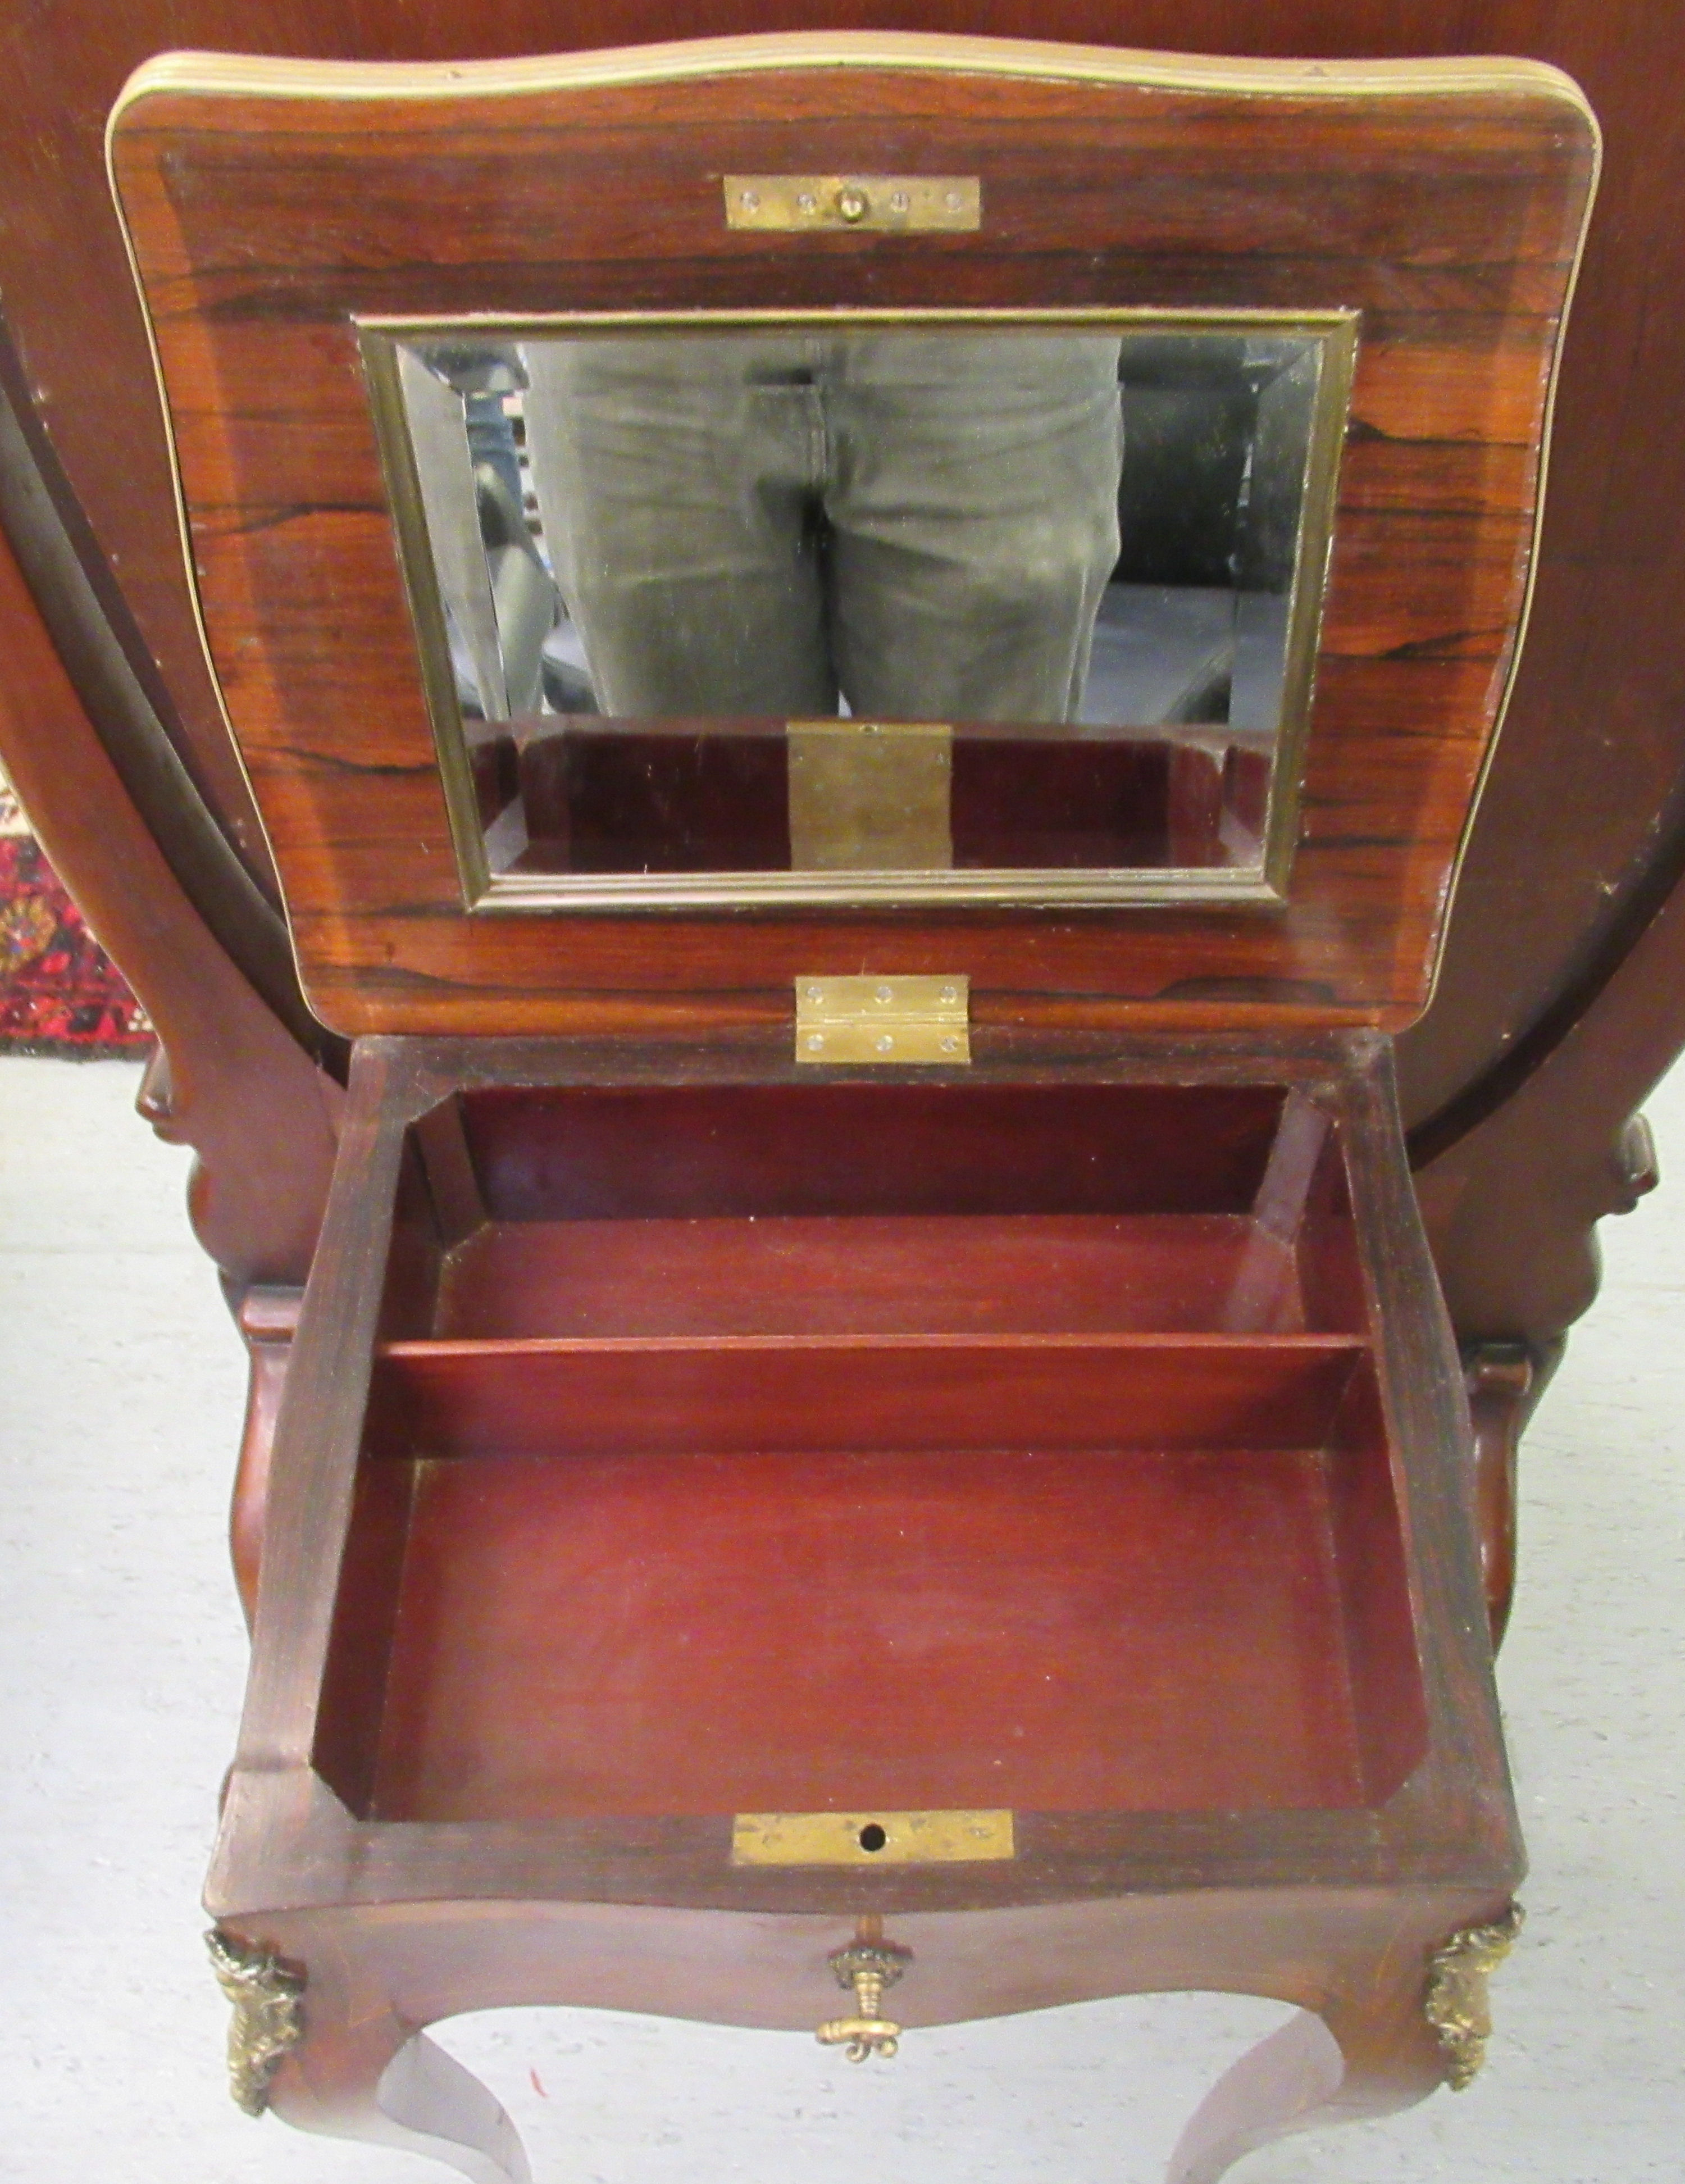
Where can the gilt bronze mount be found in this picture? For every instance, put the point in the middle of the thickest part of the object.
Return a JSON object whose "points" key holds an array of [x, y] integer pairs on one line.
{"points": [[1458, 2005], [269, 2018]]}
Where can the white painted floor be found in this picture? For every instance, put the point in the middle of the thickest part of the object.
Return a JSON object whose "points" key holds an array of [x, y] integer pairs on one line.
{"points": [[121, 1660]]}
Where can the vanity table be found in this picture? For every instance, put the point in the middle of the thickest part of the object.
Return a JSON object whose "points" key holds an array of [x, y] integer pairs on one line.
{"points": [[872, 1438]]}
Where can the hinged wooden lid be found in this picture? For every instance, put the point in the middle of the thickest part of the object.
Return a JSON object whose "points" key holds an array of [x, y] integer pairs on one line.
{"points": [[277, 210]]}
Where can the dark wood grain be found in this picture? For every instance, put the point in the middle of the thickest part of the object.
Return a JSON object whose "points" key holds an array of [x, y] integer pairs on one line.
{"points": [[1450, 221]]}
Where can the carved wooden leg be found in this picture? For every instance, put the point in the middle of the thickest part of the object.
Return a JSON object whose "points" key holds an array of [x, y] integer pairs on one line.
{"points": [[269, 1320], [1379, 2047], [1503, 1384], [375, 2079], [1288, 2082], [327, 2058], [1314, 2072]]}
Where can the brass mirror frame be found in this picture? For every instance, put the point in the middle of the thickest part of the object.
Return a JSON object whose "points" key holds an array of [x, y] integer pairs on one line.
{"points": [[1335, 332]]}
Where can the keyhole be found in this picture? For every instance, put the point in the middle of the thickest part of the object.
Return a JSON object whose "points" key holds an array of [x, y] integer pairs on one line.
{"points": [[872, 1836]]}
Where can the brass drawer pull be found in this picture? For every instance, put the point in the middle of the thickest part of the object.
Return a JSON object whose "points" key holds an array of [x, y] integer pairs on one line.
{"points": [[867, 1967]]}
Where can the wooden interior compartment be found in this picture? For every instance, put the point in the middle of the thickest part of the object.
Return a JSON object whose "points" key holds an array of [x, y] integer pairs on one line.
{"points": [[852, 1208], [1112, 1573], [763, 1447]]}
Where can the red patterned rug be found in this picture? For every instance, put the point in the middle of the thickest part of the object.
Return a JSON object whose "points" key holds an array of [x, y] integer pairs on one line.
{"points": [[59, 993]]}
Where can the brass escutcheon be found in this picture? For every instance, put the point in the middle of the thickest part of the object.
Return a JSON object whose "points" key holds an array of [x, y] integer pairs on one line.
{"points": [[879, 1837], [867, 1967], [885, 204]]}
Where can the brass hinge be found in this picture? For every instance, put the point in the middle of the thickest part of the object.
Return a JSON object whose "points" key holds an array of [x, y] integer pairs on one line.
{"points": [[889, 1020]]}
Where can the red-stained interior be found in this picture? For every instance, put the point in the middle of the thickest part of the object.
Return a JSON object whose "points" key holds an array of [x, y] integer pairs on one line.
{"points": [[1056, 1476]]}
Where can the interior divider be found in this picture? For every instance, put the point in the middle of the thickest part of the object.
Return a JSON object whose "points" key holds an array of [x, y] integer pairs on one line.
{"points": [[930, 1274], [667, 1396]]}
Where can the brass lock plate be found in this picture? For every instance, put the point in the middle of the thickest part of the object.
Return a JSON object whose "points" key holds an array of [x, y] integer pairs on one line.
{"points": [[906, 205], [867, 1838]]}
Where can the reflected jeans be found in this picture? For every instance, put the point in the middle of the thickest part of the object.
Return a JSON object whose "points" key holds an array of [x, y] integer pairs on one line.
{"points": [[920, 525]]}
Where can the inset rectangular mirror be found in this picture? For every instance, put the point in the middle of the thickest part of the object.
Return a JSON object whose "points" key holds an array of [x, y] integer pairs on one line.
{"points": [[851, 609]]}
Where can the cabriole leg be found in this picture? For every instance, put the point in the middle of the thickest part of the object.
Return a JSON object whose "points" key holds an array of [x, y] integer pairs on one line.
{"points": [[1371, 2050], [324, 2061]]}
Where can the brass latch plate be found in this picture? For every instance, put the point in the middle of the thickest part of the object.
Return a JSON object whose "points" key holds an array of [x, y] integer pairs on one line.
{"points": [[907, 204], [893, 1022], [944, 1838]]}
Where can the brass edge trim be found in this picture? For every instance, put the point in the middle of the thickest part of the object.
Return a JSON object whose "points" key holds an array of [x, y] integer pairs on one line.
{"points": [[1335, 332], [1454, 881], [525, 894], [679, 60], [928, 1838], [420, 580], [1284, 1346], [1176, 319], [1308, 596]]}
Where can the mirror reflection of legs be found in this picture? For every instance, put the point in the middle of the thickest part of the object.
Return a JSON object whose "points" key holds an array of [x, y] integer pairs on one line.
{"points": [[914, 528], [666, 559]]}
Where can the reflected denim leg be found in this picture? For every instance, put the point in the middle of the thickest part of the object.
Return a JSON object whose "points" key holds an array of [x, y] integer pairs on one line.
{"points": [[491, 439], [972, 496], [968, 485], [677, 482]]}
